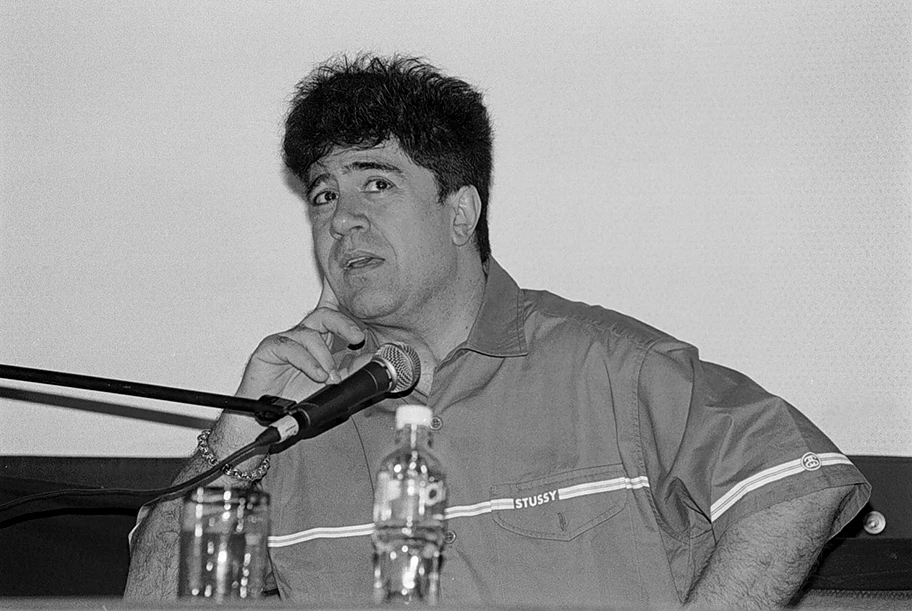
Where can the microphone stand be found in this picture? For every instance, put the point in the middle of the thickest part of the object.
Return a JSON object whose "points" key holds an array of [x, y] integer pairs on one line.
{"points": [[266, 409], [286, 421]]}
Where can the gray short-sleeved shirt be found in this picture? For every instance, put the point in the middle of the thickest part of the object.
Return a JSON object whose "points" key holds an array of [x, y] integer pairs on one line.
{"points": [[591, 460]]}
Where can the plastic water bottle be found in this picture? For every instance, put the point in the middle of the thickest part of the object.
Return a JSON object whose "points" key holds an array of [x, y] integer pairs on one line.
{"points": [[409, 521]]}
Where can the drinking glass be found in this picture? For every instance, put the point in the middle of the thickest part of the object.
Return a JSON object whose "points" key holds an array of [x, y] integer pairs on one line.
{"points": [[223, 544]]}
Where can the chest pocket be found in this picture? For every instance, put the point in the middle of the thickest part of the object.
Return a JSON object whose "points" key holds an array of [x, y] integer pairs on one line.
{"points": [[562, 506]]}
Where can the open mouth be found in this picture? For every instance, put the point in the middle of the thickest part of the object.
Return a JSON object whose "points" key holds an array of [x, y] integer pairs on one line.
{"points": [[362, 262]]}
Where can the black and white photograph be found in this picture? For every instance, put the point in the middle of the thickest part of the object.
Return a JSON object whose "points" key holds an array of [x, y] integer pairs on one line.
{"points": [[470, 304]]}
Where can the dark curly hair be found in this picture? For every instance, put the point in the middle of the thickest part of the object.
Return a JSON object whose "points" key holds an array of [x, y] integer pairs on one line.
{"points": [[440, 122]]}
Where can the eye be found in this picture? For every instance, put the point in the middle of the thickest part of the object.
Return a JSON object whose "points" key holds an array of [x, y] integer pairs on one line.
{"points": [[378, 184], [323, 197]]}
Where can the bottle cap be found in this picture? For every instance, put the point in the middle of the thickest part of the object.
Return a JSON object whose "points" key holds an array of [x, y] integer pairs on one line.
{"points": [[413, 415]]}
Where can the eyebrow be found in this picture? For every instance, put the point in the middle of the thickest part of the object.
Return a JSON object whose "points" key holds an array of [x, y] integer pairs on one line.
{"points": [[357, 166]]}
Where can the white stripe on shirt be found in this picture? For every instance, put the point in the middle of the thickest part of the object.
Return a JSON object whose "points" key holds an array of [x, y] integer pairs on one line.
{"points": [[461, 511], [768, 476], [723, 504]]}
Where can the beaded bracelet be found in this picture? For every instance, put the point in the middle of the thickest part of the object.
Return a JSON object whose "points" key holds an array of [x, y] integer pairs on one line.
{"points": [[247, 476]]}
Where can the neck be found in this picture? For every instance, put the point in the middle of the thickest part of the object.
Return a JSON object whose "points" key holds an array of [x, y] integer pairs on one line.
{"points": [[444, 327]]}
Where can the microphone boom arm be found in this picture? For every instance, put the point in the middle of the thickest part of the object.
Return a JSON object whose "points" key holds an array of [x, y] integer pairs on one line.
{"points": [[264, 407]]}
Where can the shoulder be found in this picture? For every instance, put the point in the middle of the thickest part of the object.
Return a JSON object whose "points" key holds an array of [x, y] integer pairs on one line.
{"points": [[548, 315]]}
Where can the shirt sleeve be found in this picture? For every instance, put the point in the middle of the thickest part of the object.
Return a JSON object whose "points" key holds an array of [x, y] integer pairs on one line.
{"points": [[718, 448]]}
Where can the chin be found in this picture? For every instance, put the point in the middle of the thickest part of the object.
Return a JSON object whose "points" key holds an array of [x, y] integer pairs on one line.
{"points": [[370, 306]]}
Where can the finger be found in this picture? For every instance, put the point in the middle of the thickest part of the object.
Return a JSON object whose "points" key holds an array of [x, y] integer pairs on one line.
{"points": [[326, 322], [309, 345], [306, 353]]}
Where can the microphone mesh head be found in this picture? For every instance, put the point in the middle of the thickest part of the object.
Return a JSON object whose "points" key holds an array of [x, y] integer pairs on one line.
{"points": [[405, 363]]}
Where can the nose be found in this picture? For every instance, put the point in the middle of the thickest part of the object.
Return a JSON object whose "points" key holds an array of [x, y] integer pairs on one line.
{"points": [[348, 216]]}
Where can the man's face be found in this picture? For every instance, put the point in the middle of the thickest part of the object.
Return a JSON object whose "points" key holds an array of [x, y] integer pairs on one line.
{"points": [[381, 236]]}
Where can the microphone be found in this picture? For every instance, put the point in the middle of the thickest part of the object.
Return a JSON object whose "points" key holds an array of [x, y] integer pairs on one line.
{"points": [[394, 368]]}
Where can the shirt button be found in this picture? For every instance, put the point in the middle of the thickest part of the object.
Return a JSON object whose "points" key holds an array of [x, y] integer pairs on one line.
{"points": [[436, 423], [449, 536]]}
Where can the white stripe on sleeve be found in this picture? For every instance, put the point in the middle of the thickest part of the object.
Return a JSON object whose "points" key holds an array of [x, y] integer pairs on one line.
{"points": [[774, 474]]}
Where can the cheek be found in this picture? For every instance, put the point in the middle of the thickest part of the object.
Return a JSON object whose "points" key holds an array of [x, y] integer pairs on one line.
{"points": [[322, 243], [431, 233]]}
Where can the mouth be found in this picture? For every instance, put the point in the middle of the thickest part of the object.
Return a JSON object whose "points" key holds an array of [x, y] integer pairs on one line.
{"points": [[359, 262]]}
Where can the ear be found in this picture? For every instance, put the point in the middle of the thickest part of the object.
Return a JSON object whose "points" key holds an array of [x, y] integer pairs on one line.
{"points": [[465, 208]]}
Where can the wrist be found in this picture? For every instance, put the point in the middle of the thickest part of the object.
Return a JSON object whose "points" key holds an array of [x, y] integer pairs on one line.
{"points": [[241, 472]]}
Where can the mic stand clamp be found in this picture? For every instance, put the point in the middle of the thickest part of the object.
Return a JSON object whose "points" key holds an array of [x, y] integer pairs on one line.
{"points": [[272, 409]]}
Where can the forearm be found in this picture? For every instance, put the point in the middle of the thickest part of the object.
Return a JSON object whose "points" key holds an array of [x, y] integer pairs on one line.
{"points": [[155, 547], [156, 541], [290, 364], [761, 562]]}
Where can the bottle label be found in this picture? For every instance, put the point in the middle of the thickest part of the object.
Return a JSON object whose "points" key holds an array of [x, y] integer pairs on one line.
{"points": [[409, 499]]}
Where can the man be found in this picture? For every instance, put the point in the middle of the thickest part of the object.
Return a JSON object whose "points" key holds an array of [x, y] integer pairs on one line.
{"points": [[591, 459]]}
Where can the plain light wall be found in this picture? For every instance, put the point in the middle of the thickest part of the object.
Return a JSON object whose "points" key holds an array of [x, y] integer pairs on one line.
{"points": [[736, 175]]}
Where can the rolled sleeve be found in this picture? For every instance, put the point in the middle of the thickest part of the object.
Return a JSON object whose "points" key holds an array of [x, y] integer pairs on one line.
{"points": [[720, 448]]}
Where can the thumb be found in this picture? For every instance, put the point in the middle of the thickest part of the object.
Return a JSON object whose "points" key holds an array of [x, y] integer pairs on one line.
{"points": [[328, 298], [357, 363]]}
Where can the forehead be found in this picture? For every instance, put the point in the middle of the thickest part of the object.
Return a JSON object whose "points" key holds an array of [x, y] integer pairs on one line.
{"points": [[344, 160]]}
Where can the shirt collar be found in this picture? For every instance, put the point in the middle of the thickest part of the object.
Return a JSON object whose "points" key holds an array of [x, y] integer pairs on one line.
{"points": [[499, 328]]}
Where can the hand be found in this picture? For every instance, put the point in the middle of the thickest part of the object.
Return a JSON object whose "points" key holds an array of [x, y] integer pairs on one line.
{"points": [[299, 359]]}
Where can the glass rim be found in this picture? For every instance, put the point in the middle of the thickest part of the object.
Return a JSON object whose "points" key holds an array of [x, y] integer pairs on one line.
{"points": [[226, 494]]}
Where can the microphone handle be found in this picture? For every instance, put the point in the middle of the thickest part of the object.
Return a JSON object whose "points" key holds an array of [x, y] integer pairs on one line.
{"points": [[338, 402]]}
